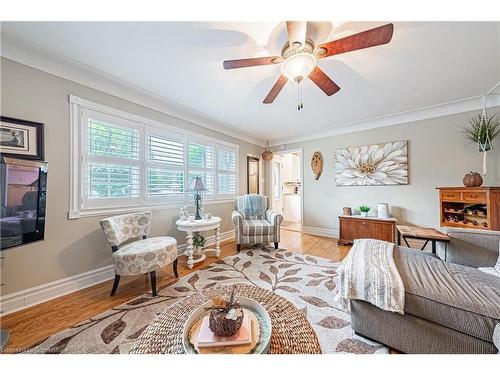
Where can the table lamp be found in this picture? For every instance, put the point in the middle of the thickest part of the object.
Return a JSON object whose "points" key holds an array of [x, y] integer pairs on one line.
{"points": [[197, 186]]}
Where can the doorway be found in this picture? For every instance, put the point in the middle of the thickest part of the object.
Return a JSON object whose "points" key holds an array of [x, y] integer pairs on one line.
{"points": [[286, 173]]}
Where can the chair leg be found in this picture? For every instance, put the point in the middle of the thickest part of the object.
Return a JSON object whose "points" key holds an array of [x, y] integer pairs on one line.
{"points": [[115, 285], [276, 245], [175, 268], [238, 247], [153, 283]]}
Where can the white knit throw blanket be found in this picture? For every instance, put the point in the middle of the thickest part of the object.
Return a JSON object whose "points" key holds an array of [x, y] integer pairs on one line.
{"points": [[369, 273]]}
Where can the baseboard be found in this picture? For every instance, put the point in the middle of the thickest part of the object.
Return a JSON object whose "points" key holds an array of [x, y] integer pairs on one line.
{"points": [[42, 293], [323, 232]]}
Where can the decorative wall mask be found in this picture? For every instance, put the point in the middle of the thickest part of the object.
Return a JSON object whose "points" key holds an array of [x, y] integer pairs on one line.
{"points": [[317, 164], [377, 164]]}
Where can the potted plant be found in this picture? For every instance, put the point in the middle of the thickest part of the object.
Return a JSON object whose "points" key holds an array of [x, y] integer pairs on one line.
{"points": [[198, 241], [482, 130], [364, 210]]}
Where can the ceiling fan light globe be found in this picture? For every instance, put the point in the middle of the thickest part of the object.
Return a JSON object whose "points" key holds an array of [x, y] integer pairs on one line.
{"points": [[298, 65]]}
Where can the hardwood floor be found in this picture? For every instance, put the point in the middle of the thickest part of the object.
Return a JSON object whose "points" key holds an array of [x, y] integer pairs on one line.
{"points": [[34, 324]]}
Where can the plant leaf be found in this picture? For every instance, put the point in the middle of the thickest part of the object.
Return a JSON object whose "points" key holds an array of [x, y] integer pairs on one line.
{"points": [[315, 275], [288, 289], [136, 334], [356, 346], [218, 269], [209, 285], [220, 278], [330, 285], [246, 264], [314, 282], [273, 269], [113, 330], [285, 265], [193, 279], [332, 322], [290, 279], [265, 277], [315, 301], [182, 289], [291, 272], [138, 301], [311, 259]]}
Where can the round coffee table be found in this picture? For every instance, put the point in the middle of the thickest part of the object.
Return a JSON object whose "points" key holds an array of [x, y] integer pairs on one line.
{"points": [[291, 332]]}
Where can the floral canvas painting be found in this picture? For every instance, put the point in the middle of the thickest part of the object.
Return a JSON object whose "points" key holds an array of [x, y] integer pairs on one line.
{"points": [[378, 164]]}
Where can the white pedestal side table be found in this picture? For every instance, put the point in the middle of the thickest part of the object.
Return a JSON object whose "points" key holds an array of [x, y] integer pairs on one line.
{"points": [[202, 225]]}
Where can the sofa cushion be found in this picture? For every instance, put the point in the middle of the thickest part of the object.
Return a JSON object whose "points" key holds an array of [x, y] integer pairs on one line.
{"points": [[455, 296], [252, 227]]}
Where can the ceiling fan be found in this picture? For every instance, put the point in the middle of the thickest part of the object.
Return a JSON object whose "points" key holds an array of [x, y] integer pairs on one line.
{"points": [[300, 55]]}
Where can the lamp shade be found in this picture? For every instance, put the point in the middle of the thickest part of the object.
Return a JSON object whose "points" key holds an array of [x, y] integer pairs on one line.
{"points": [[196, 184]]}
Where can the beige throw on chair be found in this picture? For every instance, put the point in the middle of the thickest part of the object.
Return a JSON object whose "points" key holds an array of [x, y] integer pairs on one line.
{"points": [[369, 273]]}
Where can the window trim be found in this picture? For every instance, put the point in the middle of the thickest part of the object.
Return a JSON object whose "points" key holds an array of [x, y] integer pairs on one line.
{"points": [[77, 207]]}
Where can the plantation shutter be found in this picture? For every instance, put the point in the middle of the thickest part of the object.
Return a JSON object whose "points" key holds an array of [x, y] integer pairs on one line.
{"points": [[165, 171], [111, 162], [226, 172], [201, 160]]}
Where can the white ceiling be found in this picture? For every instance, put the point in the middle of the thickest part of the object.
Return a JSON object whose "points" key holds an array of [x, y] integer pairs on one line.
{"points": [[425, 64]]}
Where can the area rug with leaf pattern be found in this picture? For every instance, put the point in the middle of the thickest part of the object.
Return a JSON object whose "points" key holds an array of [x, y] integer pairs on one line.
{"points": [[310, 283]]}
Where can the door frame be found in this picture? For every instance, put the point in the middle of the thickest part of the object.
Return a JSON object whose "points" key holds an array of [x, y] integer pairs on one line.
{"points": [[255, 159], [281, 153]]}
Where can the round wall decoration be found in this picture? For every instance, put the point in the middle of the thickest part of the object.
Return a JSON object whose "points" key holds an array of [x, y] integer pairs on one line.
{"points": [[317, 164]]}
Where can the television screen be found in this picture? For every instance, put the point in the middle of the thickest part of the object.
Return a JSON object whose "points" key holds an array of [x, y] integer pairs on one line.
{"points": [[23, 195]]}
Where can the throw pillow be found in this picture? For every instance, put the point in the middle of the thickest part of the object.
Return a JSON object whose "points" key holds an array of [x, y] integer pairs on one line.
{"points": [[495, 270]]}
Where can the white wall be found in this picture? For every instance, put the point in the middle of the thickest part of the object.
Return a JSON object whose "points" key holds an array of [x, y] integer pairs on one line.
{"points": [[72, 247], [437, 156]]}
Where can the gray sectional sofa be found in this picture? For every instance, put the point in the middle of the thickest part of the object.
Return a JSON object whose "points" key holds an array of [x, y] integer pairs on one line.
{"points": [[450, 306]]}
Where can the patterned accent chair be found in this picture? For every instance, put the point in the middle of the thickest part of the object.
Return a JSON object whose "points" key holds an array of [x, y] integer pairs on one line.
{"points": [[145, 255], [255, 223]]}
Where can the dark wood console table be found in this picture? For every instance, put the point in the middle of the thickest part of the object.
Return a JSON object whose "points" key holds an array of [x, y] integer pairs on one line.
{"points": [[355, 227]]}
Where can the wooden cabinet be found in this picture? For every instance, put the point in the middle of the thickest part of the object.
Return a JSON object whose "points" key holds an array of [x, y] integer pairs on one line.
{"points": [[356, 227], [291, 168], [463, 207]]}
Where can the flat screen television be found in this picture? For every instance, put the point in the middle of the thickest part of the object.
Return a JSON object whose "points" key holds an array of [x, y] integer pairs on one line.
{"points": [[23, 192]]}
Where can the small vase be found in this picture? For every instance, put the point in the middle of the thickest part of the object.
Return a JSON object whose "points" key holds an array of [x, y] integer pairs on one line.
{"points": [[364, 214]]}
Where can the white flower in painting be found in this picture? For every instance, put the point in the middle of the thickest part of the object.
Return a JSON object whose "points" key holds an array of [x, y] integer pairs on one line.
{"points": [[385, 164]]}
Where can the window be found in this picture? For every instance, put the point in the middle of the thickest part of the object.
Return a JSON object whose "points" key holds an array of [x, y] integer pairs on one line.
{"points": [[111, 173], [123, 162], [226, 172], [165, 166], [202, 163]]}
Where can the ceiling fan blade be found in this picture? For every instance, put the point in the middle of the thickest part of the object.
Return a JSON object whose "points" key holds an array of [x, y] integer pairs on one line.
{"points": [[369, 38], [275, 90], [245, 63], [323, 82], [296, 31]]}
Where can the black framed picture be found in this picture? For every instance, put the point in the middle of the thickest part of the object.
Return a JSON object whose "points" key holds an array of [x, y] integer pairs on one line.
{"points": [[21, 138]]}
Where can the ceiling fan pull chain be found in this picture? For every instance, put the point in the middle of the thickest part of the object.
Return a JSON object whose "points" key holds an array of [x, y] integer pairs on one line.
{"points": [[300, 105], [301, 101], [298, 96]]}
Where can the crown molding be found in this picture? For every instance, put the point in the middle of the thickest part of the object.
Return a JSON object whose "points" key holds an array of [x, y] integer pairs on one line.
{"points": [[35, 56], [407, 117], [46, 60]]}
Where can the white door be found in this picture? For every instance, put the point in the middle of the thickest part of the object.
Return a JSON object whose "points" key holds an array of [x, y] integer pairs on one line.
{"points": [[277, 193]]}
